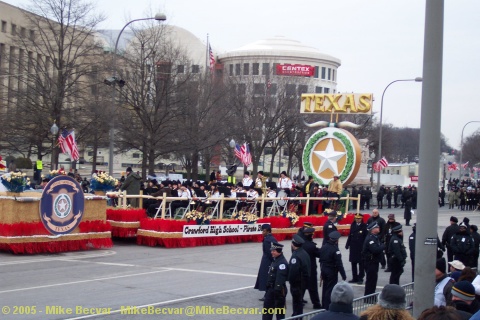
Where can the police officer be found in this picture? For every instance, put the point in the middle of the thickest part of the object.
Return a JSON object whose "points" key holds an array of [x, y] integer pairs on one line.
{"points": [[276, 287], [448, 234], [463, 245], [411, 246], [329, 226], [396, 254], [330, 265], [356, 237], [372, 252], [298, 274], [311, 248], [268, 238]]}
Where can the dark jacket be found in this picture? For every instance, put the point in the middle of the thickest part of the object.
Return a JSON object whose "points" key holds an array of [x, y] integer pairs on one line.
{"points": [[327, 228], [355, 240], [337, 311], [448, 234], [372, 249], [132, 184], [331, 260], [267, 259], [396, 250], [299, 268]]}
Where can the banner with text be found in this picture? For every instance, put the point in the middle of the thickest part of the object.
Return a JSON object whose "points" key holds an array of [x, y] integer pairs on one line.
{"points": [[298, 70], [336, 103], [221, 230]]}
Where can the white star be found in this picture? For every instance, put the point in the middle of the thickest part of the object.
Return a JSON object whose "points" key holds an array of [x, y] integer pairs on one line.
{"points": [[328, 158], [62, 205]]}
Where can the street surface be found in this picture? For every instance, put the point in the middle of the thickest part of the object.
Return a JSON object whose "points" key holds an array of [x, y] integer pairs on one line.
{"points": [[193, 281]]}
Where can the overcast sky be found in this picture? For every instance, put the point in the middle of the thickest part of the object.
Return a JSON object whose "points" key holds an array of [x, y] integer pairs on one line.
{"points": [[377, 41]]}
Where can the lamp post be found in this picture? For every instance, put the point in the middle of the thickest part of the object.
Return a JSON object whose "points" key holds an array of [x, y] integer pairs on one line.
{"points": [[158, 17], [461, 149], [417, 79], [444, 162], [372, 157], [54, 131]]}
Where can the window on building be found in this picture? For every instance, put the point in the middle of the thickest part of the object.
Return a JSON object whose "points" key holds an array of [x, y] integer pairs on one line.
{"points": [[272, 90], [195, 68], [256, 69], [290, 89], [181, 68], [14, 29], [23, 32], [265, 69], [242, 88], [315, 72], [90, 153], [398, 171], [326, 90], [246, 69], [267, 150], [324, 70], [333, 74], [237, 69], [318, 89], [259, 88], [136, 155], [329, 74], [302, 89], [4, 26], [32, 35], [274, 69], [230, 69]]}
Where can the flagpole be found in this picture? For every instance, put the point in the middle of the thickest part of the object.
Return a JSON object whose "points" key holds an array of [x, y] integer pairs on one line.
{"points": [[207, 55]]}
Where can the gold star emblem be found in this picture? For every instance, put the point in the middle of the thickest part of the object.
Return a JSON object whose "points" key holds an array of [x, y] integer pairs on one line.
{"points": [[328, 158]]}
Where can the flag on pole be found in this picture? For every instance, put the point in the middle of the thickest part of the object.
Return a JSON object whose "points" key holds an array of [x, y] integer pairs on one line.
{"points": [[381, 164], [211, 58], [243, 153], [67, 143], [453, 166], [376, 167], [465, 165]]}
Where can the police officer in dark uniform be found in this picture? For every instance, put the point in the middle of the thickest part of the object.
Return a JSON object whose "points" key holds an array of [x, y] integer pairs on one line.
{"points": [[268, 238], [396, 254], [411, 246], [356, 237], [298, 274], [330, 265], [313, 252], [463, 245], [276, 287], [329, 226], [449, 232], [372, 252], [300, 231]]}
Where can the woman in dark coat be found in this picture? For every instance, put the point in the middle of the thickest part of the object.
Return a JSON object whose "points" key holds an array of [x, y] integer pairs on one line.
{"points": [[407, 214], [262, 277]]}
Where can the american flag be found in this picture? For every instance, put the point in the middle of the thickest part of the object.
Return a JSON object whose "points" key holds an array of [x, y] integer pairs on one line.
{"points": [[243, 153], [212, 58], [67, 143], [382, 163], [465, 165], [452, 167]]}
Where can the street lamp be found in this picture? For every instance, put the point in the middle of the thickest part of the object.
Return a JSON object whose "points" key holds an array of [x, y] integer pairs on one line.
{"points": [[54, 131], [444, 162], [417, 79], [158, 17], [372, 157], [461, 149]]}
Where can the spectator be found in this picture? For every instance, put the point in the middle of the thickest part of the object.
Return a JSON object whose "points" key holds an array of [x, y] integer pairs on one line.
{"points": [[444, 284], [455, 269], [463, 295], [132, 186], [440, 313], [341, 305], [391, 305]]}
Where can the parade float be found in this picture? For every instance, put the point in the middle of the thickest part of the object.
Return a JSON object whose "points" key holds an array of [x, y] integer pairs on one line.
{"points": [[60, 218]]}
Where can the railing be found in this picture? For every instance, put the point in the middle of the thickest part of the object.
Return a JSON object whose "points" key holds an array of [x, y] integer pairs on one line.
{"points": [[122, 197], [361, 304]]}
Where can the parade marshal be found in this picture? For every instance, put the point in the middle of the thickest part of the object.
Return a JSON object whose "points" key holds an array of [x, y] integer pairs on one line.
{"points": [[62, 205]]}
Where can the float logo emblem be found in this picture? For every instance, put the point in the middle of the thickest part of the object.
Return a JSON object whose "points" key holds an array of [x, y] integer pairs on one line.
{"points": [[62, 205], [331, 152]]}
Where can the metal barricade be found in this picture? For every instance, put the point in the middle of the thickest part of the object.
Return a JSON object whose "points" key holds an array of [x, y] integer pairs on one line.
{"points": [[306, 316]]}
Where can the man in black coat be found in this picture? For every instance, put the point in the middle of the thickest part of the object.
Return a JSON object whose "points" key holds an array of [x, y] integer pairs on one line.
{"points": [[329, 226], [354, 195], [356, 237], [391, 223], [362, 193], [476, 239], [447, 236], [330, 265], [267, 259], [381, 223], [368, 197], [380, 194], [298, 274], [463, 245], [389, 197], [441, 196], [397, 255], [276, 284], [396, 193], [411, 247], [311, 248], [372, 252]]}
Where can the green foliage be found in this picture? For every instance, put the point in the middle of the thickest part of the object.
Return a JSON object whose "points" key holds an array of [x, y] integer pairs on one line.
{"points": [[23, 163]]}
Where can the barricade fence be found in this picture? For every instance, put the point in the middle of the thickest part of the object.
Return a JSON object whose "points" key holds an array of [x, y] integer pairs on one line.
{"points": [[363, 303], [261, 200]]}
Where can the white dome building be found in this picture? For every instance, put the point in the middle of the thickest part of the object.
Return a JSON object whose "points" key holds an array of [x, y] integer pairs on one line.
{"points": [[281, 57]]}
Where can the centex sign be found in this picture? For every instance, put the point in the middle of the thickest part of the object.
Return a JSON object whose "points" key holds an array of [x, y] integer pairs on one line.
{"points": [[336, 103], [295, 70]]}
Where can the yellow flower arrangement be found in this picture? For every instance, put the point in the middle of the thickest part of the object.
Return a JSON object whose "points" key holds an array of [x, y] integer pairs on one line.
{"points": [[245, 216], [292, 216], [103, 182], [199, 216], [15, 181]]}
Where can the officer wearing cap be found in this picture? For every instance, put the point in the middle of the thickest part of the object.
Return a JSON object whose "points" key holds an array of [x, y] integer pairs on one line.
{"points": [[298, 274], [372, 252], [267, 259], [397, 254], [313, 252], [276, 287], [356, 237], [462, 245], [329, 226], [449, 232], [330, 265], [391, 223]]}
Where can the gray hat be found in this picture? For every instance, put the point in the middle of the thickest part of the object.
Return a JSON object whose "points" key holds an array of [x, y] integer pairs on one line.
{"points": [[297, 240], [342, 293], [372, 226], [335, 235], [392, 297]]}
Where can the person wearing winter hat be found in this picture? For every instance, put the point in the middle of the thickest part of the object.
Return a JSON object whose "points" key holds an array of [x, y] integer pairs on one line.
{"points": [[463, 294], [341, 306], [444, 284], [449, 232], [132, 186], [391, 305], [462, 245]]}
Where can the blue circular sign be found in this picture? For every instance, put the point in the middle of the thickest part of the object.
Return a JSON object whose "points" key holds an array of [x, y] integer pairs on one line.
{"points": [[62, 205]]}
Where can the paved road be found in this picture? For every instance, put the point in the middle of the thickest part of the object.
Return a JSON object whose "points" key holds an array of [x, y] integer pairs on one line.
{"points": [[131, 275]]}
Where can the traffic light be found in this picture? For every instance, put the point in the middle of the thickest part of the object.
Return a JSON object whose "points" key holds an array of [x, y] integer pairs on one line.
{"points": [[231, 169]]}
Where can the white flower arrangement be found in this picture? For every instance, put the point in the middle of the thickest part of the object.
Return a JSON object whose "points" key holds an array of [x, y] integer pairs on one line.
{"points": [[15, 181], [199, 216], [245, 216], [103, 182], [292, 216]]}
